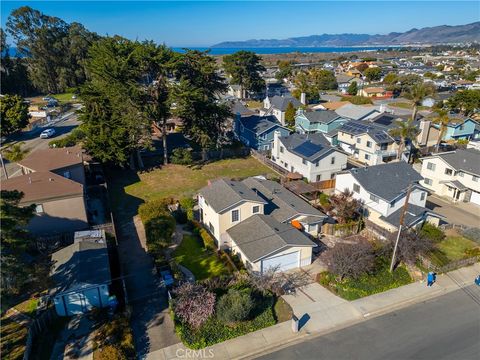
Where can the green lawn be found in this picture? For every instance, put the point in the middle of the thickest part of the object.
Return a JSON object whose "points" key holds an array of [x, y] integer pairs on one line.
{"points": [[406, 105], [200, 261], [452, 248], [28, 307], [283, 311], [13, 339], [65, 97], [381, 280], [252, 104], [179, 181]]}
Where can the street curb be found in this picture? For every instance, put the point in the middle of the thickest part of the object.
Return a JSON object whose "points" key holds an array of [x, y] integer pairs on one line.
{"points": [[365, 317]]}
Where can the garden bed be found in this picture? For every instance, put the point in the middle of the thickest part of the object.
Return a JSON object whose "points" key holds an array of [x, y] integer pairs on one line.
{"points": [[215, 331], [368, 284]]}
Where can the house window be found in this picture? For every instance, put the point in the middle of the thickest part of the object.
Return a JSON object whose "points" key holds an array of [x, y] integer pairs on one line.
{"points": [[266, 147], [351, 136], [67, 175], [431, 166], [367, 157], [317, 163], [383, 146], [369, 144], [359, 141], [281, 149], [39, 209], [422, 196], [448, 172], [392, 204], [374, 198], [428, 181], [211, 228], [263, 137], [332, 160], [475, 178], [319, 177], [332, 176], [356, 188], [460, 174], [304, 162], [235, 216], [461, 127], [256, 209], [286, 165]]}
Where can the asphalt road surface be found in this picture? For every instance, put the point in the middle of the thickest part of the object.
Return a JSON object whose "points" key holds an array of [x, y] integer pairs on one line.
{"points": [[447, 327], [31, 140]]}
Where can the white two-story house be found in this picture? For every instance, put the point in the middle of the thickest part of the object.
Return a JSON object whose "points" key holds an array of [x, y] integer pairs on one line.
{"points": [[277, 106], [383, 191], [454, 175], [310, 155]]}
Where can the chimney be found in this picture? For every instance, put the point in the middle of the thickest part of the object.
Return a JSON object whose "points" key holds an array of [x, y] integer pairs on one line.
{"points": [[303, 98]]}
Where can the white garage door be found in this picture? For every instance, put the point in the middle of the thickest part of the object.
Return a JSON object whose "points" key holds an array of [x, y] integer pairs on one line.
{"points": [[284, 262], [475, 198]]}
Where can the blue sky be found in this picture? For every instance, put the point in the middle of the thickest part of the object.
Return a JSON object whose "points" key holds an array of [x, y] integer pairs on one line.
{"points": [[202, 23]]}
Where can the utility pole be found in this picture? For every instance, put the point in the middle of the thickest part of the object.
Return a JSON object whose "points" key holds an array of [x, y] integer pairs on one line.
{"points": [[3, 166], [402, 218]]}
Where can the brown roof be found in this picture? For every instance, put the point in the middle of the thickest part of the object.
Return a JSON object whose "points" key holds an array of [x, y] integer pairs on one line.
{"points": [[42, 185], [374, 90], [53, 158], [334, 105]]}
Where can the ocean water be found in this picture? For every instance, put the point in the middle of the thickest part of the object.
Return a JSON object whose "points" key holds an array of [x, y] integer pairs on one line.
{"points": [[284, 50]]}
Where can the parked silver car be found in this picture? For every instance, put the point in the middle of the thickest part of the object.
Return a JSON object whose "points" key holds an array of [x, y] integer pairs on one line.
{"points": [[47, 133]]}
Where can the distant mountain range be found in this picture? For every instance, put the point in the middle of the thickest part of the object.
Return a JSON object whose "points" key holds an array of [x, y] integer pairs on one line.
{"points": [[443, 34]]}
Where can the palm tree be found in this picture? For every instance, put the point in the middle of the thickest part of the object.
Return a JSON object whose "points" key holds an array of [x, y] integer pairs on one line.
{"points": [[15, 153], [442, 121], [405, 130], [417, 93]]}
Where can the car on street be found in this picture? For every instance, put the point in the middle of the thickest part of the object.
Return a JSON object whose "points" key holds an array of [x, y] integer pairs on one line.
{"points": [[47, 133]]}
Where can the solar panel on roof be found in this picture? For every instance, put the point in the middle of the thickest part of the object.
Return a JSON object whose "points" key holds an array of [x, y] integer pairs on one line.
{"points": [[384, 120], [307, 149]]}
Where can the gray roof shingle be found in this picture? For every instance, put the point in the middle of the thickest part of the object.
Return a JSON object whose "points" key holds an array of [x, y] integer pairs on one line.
{"points": [[386, 181], [223, 193], [413, 215], [467, 160], [262, 235], [356, 112], [282, 204], [281, 102], [259, 124], [321, 116], [80, 264]]}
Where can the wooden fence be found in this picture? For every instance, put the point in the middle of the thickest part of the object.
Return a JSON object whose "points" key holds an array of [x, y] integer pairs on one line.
{"points": [[429, 265], [38, 326], [379, 231], [263, 158], [324, 185]]}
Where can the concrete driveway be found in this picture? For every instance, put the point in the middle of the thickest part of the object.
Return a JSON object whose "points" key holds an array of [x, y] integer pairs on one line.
{"points": [[461, 213]]}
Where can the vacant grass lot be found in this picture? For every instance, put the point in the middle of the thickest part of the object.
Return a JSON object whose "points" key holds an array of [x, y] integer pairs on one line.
{"points": [[179, 181], [200, 261], [452, 248]]}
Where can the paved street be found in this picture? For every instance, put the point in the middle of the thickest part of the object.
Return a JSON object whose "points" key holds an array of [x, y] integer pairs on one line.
{"points": [[467, 214], [447, 327], [32, 141]]}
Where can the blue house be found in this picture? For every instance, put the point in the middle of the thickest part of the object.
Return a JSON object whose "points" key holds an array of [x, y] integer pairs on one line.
{"points": [[257, 131], [323, 121], [462, 129]]}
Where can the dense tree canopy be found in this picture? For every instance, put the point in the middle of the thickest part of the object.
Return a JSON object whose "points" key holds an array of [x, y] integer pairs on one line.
{"points": [[14, 239], [373, 73], [244, 67], [466, 101], [284, 69], [14, 114], [54, 50]]}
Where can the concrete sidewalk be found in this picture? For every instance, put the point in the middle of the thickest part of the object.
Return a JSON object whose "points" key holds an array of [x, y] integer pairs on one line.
{"points": [[322, 313]]}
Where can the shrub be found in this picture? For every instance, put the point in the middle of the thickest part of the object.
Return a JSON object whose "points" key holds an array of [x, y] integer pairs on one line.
{"points": [[72, 139], [109, 352], [350, 260], [114, 337], [159, 224], [187, 205], [432, 232], [234, 306], [472, 252], [207, 239], [323, 198], [357, 100], [193, 304], [182, 156]]}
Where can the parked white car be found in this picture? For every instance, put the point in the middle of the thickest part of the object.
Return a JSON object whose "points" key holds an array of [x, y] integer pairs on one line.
{"points": [[47, 133]]}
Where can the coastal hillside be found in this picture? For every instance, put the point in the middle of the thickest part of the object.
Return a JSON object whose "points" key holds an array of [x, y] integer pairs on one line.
{"points": [[443, 34]]}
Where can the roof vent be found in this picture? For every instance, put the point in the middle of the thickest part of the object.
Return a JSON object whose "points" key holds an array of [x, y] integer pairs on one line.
{"points": [[29, 180], [50, 179], [276, 229]]}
